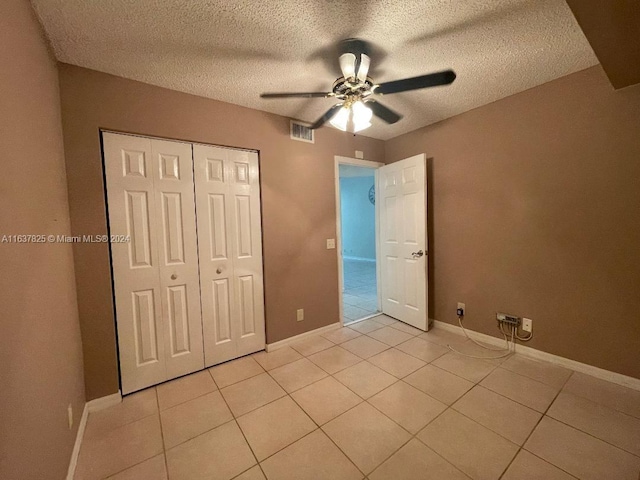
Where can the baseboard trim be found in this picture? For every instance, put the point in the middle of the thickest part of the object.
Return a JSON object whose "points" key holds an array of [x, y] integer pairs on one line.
{"points": [[609, 376], [270, 347], [359, 259], [91, 406]]}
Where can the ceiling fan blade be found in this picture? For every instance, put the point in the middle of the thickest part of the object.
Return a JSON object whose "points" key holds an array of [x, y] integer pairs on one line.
{"points": [[297, 95], [431, 80], [383, 112], [326, 117]]}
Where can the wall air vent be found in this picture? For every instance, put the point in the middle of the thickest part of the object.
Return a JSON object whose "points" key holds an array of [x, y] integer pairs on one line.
{"points": [[300, 131]]}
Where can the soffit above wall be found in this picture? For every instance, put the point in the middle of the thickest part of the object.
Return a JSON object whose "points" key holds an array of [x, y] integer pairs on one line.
{"points": [[233, 50], [613, 30]]}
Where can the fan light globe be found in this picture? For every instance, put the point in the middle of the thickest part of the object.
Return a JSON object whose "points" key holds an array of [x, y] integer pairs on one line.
{"points": [[358, 115]]}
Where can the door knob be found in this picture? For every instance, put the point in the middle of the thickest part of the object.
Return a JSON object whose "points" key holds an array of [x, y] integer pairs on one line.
{"points": [[219, 270], [417, 254], [174, 276]]}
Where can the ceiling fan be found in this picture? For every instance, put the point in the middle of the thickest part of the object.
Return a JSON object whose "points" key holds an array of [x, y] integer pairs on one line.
{"points": [[355, 90]]}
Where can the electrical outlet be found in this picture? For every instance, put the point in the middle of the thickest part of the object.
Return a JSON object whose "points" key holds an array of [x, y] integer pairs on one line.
{"points": [[70, 415], [359, 154], [331, 243], [527, 324], [300, 314], [461, 307]]}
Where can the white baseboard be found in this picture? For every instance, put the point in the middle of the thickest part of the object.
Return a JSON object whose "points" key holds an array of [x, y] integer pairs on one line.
{"points": [[270, 347], [532, 353], [359, 259], [91, 406]]}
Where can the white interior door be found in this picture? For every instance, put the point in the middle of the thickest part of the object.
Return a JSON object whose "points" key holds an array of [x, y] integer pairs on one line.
{"points": [[151, 200], [401, 196], [230, 247]]}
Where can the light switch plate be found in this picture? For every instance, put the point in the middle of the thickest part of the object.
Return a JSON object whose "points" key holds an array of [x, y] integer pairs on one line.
{"points": [[300, 314], [331, 243]]}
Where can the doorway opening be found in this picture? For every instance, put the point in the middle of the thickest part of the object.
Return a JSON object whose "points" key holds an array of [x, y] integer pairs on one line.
{"points": [[357, 240]]}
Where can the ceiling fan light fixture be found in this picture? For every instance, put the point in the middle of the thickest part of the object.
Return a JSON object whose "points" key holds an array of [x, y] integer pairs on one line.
{"points": [[348, 65], [361, 116], [355, 117], [341, 119]]}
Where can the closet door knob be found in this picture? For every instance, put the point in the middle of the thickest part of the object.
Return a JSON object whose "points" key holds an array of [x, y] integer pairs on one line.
{"points": [[174, 276], [218, 270]]}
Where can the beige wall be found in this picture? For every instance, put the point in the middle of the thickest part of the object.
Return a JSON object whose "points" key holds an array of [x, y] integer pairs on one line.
{"points": [[297, 200], [535, 208], [40, 351]]}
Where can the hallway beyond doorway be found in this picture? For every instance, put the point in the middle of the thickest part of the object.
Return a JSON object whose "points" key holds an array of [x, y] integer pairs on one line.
{"points": [[360, 295]]}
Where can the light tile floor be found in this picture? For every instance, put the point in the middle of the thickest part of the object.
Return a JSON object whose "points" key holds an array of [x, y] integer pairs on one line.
{"points": [[360, 296], [354, 403]]}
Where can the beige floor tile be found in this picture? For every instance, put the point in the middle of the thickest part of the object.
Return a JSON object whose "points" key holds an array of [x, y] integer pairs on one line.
{"points": [[293, 376], [325, 400], [474, 449], [313, 457], [365, 379], [420, 348], [185, 388], [390, 336], [219, 454], [274, 426], [366, 436], [133, 407], [495, 357], [364, 346], [366, 326], [443, 337], [235, 371], [600, 391], [311, 345], [403, 327], [510, 419], [334, 359], [397, 363], [441, 385], [605, 423], [527, 466], [119, 449], [252, 393], [470, 369], [277, 358], [254, 473], [415, 461], [407, 406], [189, 419], [553, 375], [521, 389], [580, 454], [341, 335], [384, 320], [152, 469]]}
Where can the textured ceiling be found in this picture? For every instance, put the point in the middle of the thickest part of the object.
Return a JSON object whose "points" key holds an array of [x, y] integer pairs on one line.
{"points": [[234, 50]]}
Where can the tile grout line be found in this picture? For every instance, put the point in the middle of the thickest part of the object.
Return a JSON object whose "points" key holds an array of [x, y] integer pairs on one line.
{"points": [[544, 414]]}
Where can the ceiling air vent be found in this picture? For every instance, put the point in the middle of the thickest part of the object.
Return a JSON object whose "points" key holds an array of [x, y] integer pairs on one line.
{"points": [[301, 132]]}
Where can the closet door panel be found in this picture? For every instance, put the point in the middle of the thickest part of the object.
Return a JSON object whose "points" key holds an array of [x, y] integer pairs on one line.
{"points": [[138, 298], [178, 256], [215, 229], [247, 252]]}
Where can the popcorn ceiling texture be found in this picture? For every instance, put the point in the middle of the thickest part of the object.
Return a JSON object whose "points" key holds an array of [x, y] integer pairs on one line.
{"points": [[234, 50]]}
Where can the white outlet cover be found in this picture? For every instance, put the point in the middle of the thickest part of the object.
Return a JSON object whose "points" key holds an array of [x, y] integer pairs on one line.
{"points": [[527, 324], [331, 243], [359, 154], [300, 314]]}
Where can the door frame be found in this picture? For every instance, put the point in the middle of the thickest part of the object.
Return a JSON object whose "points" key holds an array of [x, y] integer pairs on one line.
{"points": [[339, 160]]}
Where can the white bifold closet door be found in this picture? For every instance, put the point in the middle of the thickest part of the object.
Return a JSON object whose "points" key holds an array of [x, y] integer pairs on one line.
{"points": [[157, 292], [230, 250]]}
